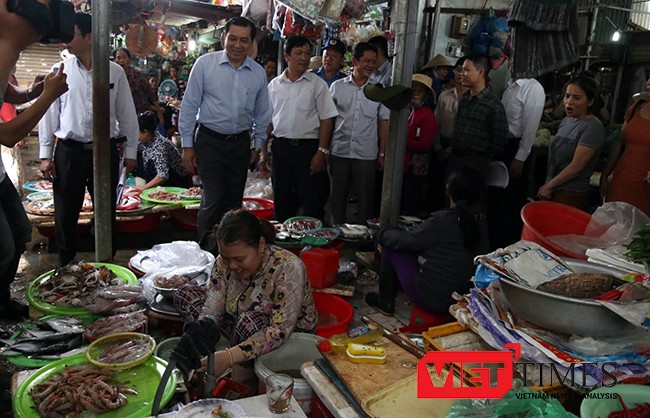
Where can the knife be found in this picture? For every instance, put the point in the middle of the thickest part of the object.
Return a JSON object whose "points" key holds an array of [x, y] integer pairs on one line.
{"points": [[406, 345], [155, 407]]}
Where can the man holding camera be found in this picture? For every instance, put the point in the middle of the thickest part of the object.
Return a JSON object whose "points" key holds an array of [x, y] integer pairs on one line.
{"points": [[16, 33], [70, 120]]}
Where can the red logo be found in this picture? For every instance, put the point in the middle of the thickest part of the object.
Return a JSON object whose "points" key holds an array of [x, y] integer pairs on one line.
{"points": [[460, 381]]}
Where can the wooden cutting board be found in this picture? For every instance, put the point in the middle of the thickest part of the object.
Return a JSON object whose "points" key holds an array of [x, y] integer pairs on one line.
{"points": [[365, 380]]}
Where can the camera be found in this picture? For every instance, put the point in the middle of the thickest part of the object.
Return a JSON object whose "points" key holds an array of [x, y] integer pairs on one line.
{"points": [[55, 23]]}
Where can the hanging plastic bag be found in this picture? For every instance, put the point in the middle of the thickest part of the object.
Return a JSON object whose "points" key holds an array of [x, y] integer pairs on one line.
{"points": [[308, 8], [332, 9], [355, 8], [488, 35]]}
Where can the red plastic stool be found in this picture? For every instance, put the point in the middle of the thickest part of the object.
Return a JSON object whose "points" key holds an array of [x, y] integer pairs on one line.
{"points": [[421, 321]]}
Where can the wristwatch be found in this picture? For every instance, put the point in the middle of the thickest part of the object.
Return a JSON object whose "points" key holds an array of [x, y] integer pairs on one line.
{"points": [[324, 150], [382, 154]]}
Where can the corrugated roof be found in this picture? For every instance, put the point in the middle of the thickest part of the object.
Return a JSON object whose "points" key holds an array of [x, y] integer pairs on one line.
{"points": [[36, 59]]}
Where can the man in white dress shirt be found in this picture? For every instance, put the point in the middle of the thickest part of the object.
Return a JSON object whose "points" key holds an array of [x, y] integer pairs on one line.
{"points": [[359, 139], [301, 127], [69, 163], [523, 101]]}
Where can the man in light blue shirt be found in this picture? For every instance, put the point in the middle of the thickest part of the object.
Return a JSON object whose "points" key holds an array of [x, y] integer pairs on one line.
{"points": [[225, 98], [359, 139], [384, 71]]}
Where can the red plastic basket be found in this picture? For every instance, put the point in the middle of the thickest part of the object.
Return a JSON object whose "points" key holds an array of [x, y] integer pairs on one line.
{"points": [[268, 205], [330, 305], [545, 219]]}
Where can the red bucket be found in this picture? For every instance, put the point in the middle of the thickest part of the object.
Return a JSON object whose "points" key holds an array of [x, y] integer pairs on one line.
{"points": [[186, 219], [545, 219], [267, 205], [334, 314], [138, 225], [322, 267]]}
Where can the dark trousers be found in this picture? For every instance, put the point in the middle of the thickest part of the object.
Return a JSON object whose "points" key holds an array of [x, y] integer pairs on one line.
{"points": [[411, 194], [222, 166], [345, 172], [15, 233], [293, 185], [436, 181], [504, 205], [74, 170]]}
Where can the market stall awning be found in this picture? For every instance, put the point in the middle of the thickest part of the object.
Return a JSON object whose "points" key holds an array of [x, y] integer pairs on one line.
{"points": [[183, 12]]}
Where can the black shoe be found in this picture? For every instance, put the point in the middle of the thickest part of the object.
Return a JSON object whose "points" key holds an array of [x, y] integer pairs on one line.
{"points": [[13, 309], [374, 300]]}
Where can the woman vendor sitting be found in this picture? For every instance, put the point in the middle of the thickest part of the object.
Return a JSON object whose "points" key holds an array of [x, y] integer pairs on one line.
{"points": [[436, 258], [258, 293], [159, 162]]}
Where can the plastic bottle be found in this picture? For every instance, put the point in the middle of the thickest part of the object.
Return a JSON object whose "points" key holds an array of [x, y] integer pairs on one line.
{"points": [[130, 181], [360, 335]]}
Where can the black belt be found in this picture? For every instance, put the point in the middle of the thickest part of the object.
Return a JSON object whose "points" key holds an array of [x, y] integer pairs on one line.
{"points": [[230, 137], [88, 146], [294, 141]]}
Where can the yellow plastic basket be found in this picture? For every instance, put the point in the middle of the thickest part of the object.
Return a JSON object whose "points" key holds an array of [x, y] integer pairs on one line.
{"points": [[141, 346]]}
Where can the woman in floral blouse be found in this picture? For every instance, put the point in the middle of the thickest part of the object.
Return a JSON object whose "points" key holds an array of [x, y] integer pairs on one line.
{"points": [[259, 293], [159, 162]]}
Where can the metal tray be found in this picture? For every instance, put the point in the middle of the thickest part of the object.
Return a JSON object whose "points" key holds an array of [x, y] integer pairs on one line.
{"points": [[564, 314]]}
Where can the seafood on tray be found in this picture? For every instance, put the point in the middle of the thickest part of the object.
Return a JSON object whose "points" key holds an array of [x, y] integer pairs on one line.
{"points": [[126, 322], [303, 224], [192, 193], [41, 206], [164, 195], [172, 282], [71, 285], [77, 389], [124, 352], [53, 338], [116, 299]]}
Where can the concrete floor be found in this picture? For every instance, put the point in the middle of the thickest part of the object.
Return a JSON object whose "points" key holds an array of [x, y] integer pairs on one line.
{"points": [[37, 260]]}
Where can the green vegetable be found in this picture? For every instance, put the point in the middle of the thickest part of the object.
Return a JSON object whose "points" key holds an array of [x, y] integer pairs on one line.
{"points": [[639, 247]]}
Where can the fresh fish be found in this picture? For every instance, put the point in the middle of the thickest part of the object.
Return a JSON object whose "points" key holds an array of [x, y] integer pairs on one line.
{"points": [[32, 348], [66, 354], [66, 324]]}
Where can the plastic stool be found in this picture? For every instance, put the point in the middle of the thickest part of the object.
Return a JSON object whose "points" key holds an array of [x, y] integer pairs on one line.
{"points": [[421, 320]]}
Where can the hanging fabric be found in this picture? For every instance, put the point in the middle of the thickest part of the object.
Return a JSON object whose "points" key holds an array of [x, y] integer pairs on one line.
{"points": [[544, 36]]}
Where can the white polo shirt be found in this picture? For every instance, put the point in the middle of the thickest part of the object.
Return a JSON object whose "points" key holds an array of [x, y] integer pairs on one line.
{"points": [[298, 107]]}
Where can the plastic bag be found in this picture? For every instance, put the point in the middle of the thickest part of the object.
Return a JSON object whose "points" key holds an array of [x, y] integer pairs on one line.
{"points": [[613, 223], [484, 276], [174, 254], [258, 185], [332, 9], [488, 35], [510, 405]]}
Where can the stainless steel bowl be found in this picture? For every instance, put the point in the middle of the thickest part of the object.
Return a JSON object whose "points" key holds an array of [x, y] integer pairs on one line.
{"points": [[198, 277], [564, 314]]}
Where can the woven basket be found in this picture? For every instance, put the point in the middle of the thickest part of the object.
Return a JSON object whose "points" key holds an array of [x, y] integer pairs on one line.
{"points": [[146, 346], [579, 285]]}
